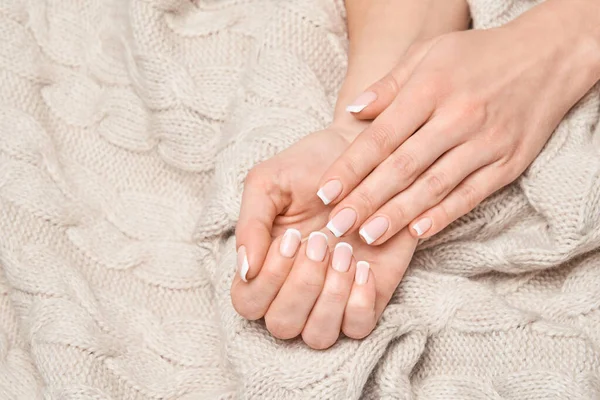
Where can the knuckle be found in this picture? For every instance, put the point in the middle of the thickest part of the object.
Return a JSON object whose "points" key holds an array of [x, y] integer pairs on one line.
{"points": [[363, 199], [381, 136], [350, 168], [308, 283], [247, 306], [358, 329], [396, 212], [280, 327], [404, 165], [389, 84], [263, 178], [317, 341], [273, 277], [469, 195], [437, 184], [473, 112], [334, 293]]}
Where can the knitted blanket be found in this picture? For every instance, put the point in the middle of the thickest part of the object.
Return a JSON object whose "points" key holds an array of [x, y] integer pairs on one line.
{"points": [[126, 130]]}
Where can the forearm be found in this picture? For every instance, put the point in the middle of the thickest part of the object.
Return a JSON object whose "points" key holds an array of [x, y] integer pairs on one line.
{"points": [[381, 31], [567, 33]]}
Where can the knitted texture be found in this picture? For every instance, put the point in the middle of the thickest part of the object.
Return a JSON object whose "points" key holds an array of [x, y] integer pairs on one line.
{"points": [[126, 130]]}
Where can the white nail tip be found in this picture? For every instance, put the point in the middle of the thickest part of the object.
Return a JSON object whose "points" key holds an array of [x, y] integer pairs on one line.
{"points": [[363, 264], [322, 196], [333, 229], [317, 233], [293, 231], [366, 236], [356, 108], [244, 269], [344, 244]]}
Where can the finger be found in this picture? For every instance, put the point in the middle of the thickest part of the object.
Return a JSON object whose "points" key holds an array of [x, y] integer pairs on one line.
{"points": [[359, 317], [398, 171], [324, 323], [464, 198], [251, 300], [288, 313], [380, 95], [428, 190], [261, 203], [390, 269], [375, 144]]}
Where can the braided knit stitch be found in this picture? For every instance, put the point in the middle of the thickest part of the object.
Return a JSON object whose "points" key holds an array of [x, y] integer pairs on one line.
{"points": [[126, 130]]}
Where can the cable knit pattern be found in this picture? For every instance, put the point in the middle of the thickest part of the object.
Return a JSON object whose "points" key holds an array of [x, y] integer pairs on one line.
{"points": [[126, 130]]}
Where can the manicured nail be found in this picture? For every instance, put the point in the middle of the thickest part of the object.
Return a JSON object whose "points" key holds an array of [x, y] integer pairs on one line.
{"points": [[362, 272], [374, 229], [317, 246], [290, 242], [330, 191], [342, 222], [242, 263], [361, 102], [342, 255], [422, 225]]}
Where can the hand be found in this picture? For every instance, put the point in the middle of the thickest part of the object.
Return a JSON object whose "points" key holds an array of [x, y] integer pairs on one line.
{"points": [[461, 116], [295, 286]]}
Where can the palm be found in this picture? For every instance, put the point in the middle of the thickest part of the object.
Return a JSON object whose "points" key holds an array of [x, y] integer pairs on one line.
{"points": [[297, 170]]}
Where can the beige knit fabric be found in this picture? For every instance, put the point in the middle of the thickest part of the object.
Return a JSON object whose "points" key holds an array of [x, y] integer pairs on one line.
{"points": [[126, 129]]}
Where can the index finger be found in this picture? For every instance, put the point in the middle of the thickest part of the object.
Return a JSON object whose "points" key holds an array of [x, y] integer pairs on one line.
{"points": [[411, 109]]}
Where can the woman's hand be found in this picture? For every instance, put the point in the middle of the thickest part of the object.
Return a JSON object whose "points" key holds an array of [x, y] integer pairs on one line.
{"points": [[300, 287], [462, 116]]}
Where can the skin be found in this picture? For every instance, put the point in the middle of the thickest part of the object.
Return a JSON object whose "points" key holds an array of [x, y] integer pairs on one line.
{"points": [[296, 296], [482, 105]]}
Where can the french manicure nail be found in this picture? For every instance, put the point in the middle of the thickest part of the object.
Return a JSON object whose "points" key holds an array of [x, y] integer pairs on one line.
{"points": [[342, 255], [317, 246], [362, 272], [290, 242], [342, 221], [330, 191], [422, 225], [361, 102], [374, 229], [242, 263]]}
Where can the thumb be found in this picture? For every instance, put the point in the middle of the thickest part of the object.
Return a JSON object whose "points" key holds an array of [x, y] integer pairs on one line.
{"points": [[370, 103], [261, 203]]}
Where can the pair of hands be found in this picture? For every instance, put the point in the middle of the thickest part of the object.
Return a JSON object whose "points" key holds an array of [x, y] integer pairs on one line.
{"points": [[461, 116]]}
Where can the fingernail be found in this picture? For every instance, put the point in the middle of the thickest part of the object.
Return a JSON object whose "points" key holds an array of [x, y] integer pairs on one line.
{"points": [[422, 225], [290, 242], [342, 222], [361, 102], [374, 229], [342, 255], [242, 263], [330, 191], [362, 272], [317, 246]]}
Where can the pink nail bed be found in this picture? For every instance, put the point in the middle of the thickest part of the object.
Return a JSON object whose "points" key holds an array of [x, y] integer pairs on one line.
{"points": [[374, 229], [362, 272], [317, 246], [330, 191], [342, 256], [290, 242], [422, 226], [342, 221]]}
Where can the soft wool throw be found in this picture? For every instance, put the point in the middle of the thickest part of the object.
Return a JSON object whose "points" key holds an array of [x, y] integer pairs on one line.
{"points": [[126, 131]]}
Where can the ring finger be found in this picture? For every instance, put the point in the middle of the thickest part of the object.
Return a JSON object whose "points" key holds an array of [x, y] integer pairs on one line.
{"points": [[428, 190], [288, 313], [324, 323]]}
